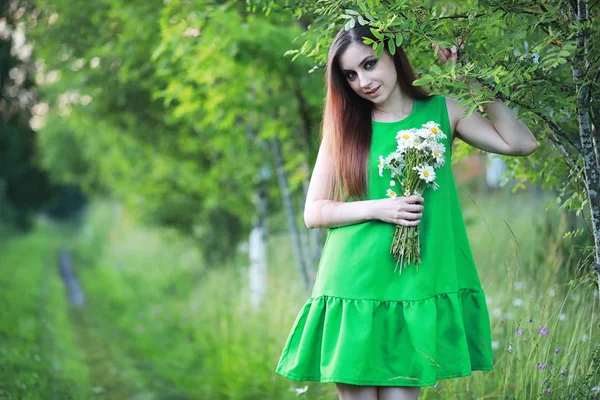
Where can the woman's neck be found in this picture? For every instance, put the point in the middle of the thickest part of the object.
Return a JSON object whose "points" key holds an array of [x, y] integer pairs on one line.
{"points": [[396, 107]]}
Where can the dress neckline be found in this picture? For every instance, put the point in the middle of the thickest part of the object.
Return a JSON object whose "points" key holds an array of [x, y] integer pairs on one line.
{"points": [[412, 112]]}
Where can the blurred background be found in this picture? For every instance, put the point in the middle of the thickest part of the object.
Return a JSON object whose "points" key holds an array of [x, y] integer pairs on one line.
{"points": [[154, 161]]}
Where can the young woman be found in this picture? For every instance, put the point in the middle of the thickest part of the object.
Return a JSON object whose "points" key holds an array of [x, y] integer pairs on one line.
{"points": [[378, 334]]}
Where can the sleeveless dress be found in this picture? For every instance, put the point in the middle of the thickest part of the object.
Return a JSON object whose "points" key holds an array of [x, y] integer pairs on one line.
{"points": [[365, 324]]}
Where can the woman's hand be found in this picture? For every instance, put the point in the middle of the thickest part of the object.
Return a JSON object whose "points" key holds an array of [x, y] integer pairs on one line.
{"points": [[405, 211], [444, 54]]}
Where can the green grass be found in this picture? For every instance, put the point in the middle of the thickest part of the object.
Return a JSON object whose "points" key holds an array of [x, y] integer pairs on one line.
{"points": [[158, 325], [39, 359]]}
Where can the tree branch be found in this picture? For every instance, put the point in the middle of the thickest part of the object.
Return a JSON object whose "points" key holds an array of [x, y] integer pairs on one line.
{"points": [[458, 16]]}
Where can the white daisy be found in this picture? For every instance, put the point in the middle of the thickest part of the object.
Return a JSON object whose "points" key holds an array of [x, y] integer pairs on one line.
{"points": [[434, 128], [426, 172], [395, 162], [425, 133], [381, 165], [392, 183], [420, 144], [391, 193], [301, 390], [437, 151], [406, 139]]}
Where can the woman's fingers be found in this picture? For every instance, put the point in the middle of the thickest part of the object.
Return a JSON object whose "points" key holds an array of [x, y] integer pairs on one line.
{"points": [[415, 198], [442, 53], [454, 56], [408, 223], [414, 208], [451, 54]]}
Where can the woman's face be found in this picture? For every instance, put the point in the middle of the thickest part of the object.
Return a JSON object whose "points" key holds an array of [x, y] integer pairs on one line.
{"points": [[371, 78]]}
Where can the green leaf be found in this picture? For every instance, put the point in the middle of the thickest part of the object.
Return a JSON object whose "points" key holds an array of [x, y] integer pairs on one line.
{"points": [[350, 24], [351, 12], [426, 78], [361, 20], [391, 47], [377, 34], [399, 40]]}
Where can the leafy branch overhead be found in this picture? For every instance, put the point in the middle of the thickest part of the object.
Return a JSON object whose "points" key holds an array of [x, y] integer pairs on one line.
{"points": [[540, 57]]}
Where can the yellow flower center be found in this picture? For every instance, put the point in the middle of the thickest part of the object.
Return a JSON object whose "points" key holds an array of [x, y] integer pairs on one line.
{"points": [[425, 174], [435, 153], [405, 136], [434, 131]]}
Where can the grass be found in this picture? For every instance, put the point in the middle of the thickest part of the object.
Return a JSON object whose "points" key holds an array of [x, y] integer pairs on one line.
{"points": [[158, 325], [39, 360]]}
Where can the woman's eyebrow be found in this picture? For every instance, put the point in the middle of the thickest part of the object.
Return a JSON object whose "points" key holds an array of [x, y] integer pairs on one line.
{"points": [[361, 63]]}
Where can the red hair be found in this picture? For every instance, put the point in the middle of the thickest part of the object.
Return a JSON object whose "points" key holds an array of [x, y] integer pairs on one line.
{"points": [[347, 117]]}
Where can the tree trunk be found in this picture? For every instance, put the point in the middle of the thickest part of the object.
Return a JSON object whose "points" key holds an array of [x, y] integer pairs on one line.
{"points": [[257, 272], [315, 244], [291, 214], [588, 150]]}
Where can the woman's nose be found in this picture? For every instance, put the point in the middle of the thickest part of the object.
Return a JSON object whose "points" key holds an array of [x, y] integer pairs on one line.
{"points": [[364, 81]]}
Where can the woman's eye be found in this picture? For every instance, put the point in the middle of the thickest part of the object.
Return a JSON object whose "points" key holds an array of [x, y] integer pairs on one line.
{"points": [[370, 64], [350, 75]]}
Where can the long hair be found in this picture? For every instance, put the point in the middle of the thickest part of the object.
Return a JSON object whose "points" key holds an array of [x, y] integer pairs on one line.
{"points": [[347, 116]]}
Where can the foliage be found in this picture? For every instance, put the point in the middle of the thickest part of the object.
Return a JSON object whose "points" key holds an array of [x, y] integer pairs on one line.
{"points": [[164, 111], [24, 187], [522, 52]]}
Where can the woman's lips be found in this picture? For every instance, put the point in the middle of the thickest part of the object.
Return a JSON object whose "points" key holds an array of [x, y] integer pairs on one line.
{"points": [[374, 92]]}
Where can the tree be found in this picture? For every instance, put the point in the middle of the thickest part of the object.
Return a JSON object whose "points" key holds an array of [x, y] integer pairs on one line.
{"points": [[177, 119], [540, 57], [24, 187]]}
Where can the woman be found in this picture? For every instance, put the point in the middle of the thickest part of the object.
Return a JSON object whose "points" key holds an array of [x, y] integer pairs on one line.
{"points": [[378, 334]]}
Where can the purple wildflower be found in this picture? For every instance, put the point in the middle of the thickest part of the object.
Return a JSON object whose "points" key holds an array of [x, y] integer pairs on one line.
{"points": [[563, 372], [541, 366], [519, 331], [556, 351], [543, 330], [549, 391], [509, 347], [530, 319], [435, 386], [545, 381]]}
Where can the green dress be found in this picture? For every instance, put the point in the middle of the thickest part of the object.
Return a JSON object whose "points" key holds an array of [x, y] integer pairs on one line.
{"points": [[365, 324]]}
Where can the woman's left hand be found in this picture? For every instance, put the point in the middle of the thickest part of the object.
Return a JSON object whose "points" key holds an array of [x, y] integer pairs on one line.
{"points": [[444, 54]]}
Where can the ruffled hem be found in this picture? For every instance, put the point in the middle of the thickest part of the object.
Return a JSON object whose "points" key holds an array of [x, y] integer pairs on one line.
{"points": [[389, 343]]}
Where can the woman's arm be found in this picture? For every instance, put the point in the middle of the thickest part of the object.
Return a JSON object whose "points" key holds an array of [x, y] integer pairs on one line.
{"points": [[322, 212], [502, 133]]}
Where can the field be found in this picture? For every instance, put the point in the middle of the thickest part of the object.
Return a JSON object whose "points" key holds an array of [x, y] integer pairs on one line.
{"points": [[158, 325]]}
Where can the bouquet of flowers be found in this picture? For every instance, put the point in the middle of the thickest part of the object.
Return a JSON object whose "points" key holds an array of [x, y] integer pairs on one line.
{"points": [[413, 164]]}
